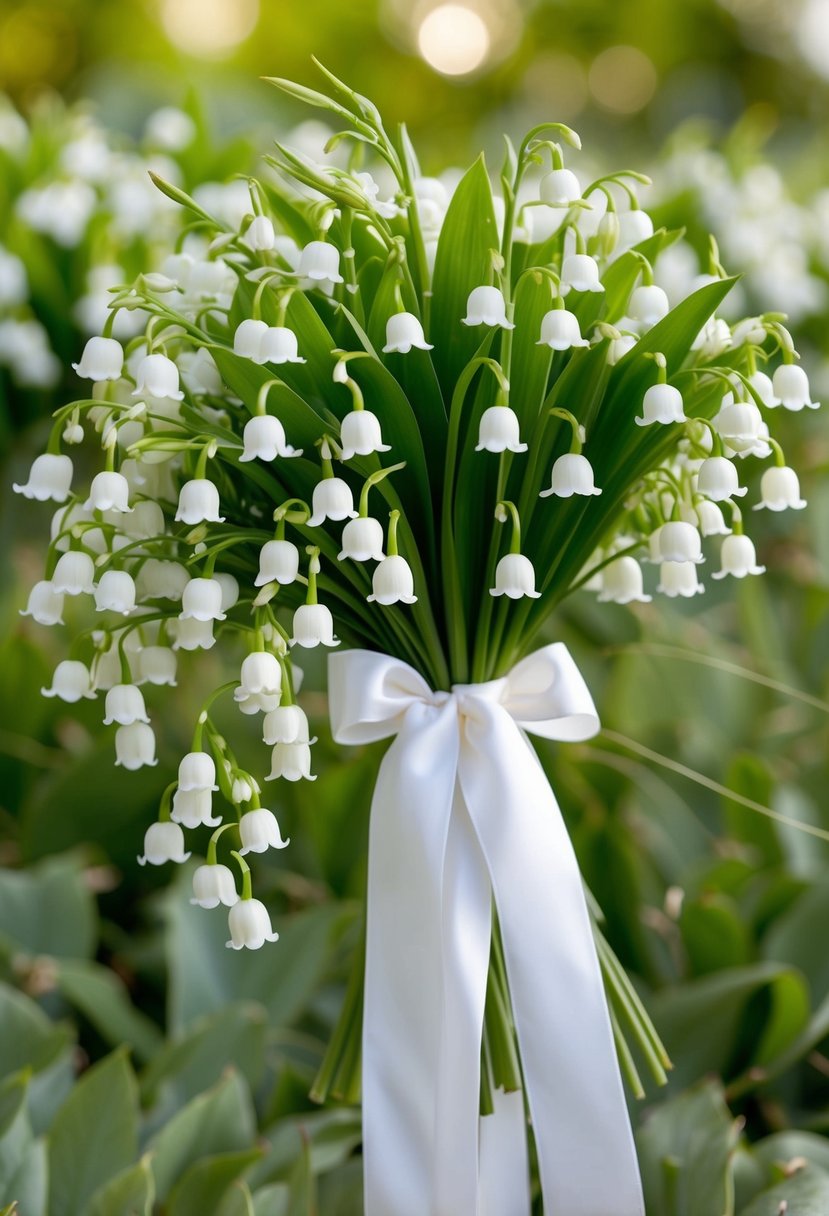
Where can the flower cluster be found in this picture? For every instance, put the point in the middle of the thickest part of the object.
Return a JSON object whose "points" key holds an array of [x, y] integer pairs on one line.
{"points": [[413, 423]]}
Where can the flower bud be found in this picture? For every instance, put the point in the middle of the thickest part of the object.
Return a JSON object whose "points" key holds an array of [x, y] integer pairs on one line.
{"points": [[260, 234], [635, 226]]}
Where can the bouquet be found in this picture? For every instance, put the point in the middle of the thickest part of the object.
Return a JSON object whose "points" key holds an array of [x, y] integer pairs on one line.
{"points": [[418, 423]]}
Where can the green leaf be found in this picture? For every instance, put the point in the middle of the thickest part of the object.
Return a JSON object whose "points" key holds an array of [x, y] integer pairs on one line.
{"points": [[330, 1136], [237, 1201], [48, 909], [29, 1039], [793, 938], [23, 1165], [130, 1193], [806, 1193], [94, 1135], [714, 933], [206, 1182], [101, 996]]}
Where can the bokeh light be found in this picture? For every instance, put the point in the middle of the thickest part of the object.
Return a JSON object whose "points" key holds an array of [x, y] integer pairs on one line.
{"points": [[622, 79], [454, 39], [209, 29]]}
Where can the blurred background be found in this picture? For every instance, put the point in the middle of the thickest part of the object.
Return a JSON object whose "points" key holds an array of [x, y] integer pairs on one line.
{"points": [[718, 912]]}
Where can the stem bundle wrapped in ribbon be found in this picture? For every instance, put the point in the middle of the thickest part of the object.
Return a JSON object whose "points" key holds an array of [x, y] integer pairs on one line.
{"points": [[418, 426]]}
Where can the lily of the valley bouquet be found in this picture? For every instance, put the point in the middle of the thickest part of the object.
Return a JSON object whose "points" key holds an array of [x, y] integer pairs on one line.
{"points": [[419, 424]]}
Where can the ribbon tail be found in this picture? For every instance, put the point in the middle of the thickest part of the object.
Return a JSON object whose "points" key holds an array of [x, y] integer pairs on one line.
{"points": [[505, 1170]]}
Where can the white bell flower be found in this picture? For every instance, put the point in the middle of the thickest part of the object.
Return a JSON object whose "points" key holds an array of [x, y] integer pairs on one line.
{"points": [[560, 330], [214, 884], [635, 226], [229, 588], [709, 518], [45, 604], [617, 348], [190, 634], [662, 403], [740, 424], [247, 340], [109, 492], [313, 626], [106, 669], [65, 518], [260, 831], [515, 577], [362, 540], [163, 842], [194, 809], [49, 478], [392, 582], [780, 490], [621, 582], [559, 188], [135, 747], [243, 788], [738, 557], [14, 283], [260, 683], [198, 502], [320, 263], [279, 345], [158, 579], [74, 574], [360, 435], [278, 563], [678, 541], [790, 386], [102, 359], [169, 129], [202, 600], [124, 705], [71, 682], [498, 431], [197, 771], [486, 306], [713, 338], [286, 724], [157, 665], [572, 474], [717, 479], [157, 376], [115, 592], [250, 925], [647, 305], [291, 762], [580, 272], [200, 373], [146, 519], [763, 387], [260, 234], [404, 331], [332, 499], [679, 579]]}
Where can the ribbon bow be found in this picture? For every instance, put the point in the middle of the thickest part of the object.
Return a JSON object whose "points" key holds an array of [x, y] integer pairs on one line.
{"points": [[462, 812]]}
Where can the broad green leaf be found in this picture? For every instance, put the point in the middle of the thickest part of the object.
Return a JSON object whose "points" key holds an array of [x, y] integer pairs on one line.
{"points": [[101, 996], [29, 1039], [714, 934], [530, 367], [206, 1182], [48, 909], [806, 1193], [341, 1191], [330, 1135], [793, 938], [236, 1201], [94, 1135], [130, 1193], [23, 1166], [784, 1147]]}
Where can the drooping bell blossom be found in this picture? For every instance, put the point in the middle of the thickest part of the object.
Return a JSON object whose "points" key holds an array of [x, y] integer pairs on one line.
{"points": [[146, 519], [572, 474], [515, 577], [115, 592], [780, 490], [197, 771], [49, 478], [260, 831], [247, 340], [213, 885], [291, 762], [360, 435], [662, 403], [198, 502], [392, 582], [320, 262], [106, 668], [362, 540], [617, 348], [679, 579], [199, 372], [163, 842], [678, 541], [260, 682], [498, 431], [404, 331], [74, 573], [124, 705], [278, 345], [738, 557], [635, 226], [621, 582], [486, 306], [790, 386], [647, 305], [158, 579], [229, 588], [250, 925], [260, 234], [331, 499], [278, 563], [560, 330], [109, 492], [580, 272], [713, 338], [559, 188], [709, 518], [313, 626], [190, 634], [45, 604], [135, 746], [157, 376], [286, 724], [243, 787], [194, 809], [157, 665], [740, 425], [102, 359], [71, 682], [764, 388], [63, 520], [201, 600], [718, 479]]}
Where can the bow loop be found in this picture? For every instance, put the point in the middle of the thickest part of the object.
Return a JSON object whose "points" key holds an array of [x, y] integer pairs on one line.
{"points": [[547, 696]]}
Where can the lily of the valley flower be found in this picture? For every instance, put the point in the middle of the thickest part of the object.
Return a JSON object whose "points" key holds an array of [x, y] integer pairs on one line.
{"points": [[194, 809], [738, 557], [718, 479], [662, 403], [313, 626], [157, 376], [278, 563], [740, 425], [332, 497], [264, 439], [392, 581], [102, 359], [214, 885], [580, 272], [157, 665], [135, 746], [260, 831], [74, 574], [164, 580], [780, 490], [498, 431], [250, 925], [360, 434], [679, 579], [403, 332], [49, 478], [362, 540], [320, 263], [109, 492], [572, 474], [560, 188], [278, 345], [635, 226], [190, 634], [486, 306], [647, 305], [621, 582], [286, 724], [201, 600], [163, 842], [197, 771], [678, 541], [45, 604], [708, 516], [560, 330], [514, 574], [198, 502], [124, 705], [790, 386], [115, 592], [260, 683], [260, 235], [71, 682], [291, 762], [247, 340]]}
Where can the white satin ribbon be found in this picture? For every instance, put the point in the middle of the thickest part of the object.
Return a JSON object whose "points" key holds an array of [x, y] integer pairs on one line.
{"points": [[463, 812]]}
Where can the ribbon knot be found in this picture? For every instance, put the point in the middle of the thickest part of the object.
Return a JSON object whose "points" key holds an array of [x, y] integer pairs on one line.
{"points": [[463, 815]]}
